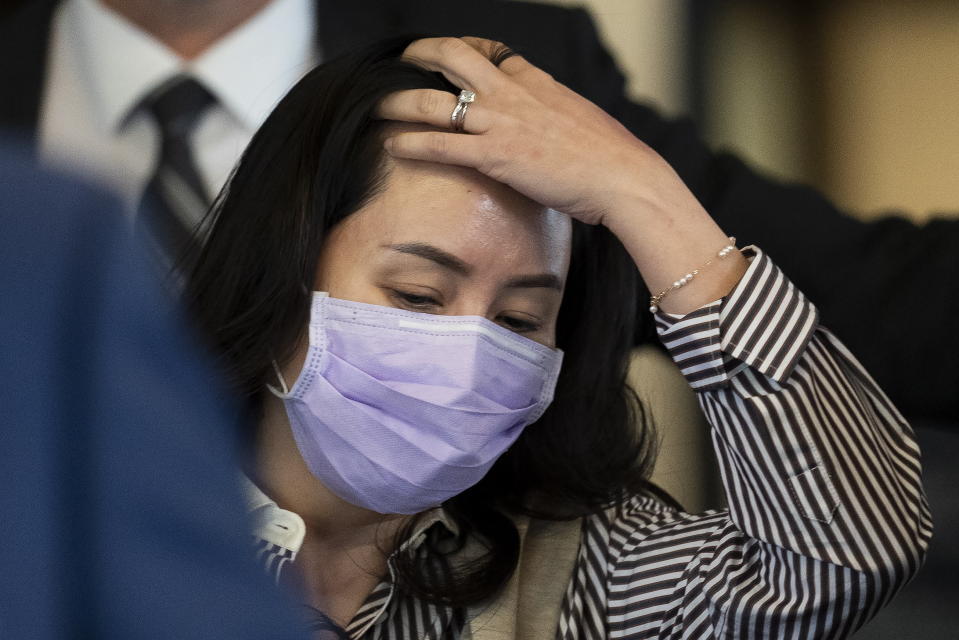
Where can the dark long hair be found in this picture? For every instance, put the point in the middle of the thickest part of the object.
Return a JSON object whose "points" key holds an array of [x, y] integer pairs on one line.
{"points": [[316, 160]]}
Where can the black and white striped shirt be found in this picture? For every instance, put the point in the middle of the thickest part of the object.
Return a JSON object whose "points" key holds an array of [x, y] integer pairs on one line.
{"points": [[826, 519]]}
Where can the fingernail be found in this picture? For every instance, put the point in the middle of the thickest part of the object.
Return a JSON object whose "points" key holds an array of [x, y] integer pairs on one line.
{"points": [[388, 145]]}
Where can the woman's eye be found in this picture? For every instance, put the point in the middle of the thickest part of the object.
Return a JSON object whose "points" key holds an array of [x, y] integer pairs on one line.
{"points": [[520, 326], [413, 300]]}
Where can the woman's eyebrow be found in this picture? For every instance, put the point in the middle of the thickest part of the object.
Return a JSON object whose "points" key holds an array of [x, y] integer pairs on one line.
{"points": [[541, 280], [435, 254], [456, 265]]}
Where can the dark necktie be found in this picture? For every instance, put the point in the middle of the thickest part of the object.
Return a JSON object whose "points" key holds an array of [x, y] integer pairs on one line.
{"points": [[175, 198]]}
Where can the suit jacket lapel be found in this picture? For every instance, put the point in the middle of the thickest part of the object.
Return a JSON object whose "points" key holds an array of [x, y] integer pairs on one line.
{"points": [[24, 47], [346, 24]]}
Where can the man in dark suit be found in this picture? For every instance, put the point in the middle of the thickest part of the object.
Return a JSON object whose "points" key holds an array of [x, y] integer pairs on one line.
{"points": [[883, 287], [120, 507]]}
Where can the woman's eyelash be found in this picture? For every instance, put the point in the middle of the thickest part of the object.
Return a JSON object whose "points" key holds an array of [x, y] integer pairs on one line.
{"points": [[520, 325], [415, 300]]}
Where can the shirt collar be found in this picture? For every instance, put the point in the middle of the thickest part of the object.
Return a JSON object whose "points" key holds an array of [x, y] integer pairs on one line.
{"points": [[249, 70], [253, 67], [118, 61], [287, 530]]}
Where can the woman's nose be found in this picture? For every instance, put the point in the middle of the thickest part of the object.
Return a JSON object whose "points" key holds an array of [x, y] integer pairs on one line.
{"points": [[471, 306]]}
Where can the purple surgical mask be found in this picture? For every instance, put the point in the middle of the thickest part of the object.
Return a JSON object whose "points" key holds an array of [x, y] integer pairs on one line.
{"points": [[397, 411]]}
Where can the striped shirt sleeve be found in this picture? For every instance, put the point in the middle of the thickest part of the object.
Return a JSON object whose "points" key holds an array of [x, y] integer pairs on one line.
{"points": [[826, 519]]}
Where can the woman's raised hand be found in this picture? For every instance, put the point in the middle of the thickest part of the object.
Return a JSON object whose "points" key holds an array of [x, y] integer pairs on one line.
{"points": [[524, 129], [528, 131]]}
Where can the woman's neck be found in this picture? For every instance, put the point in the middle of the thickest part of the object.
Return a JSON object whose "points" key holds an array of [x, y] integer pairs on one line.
{"points": [[337, 580]]}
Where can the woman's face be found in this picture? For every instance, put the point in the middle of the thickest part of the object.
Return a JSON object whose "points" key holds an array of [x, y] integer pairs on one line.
{"points": [[448, 240], [438, 239]]}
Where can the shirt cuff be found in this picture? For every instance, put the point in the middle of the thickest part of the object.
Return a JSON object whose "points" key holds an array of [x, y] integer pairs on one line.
{"points": [[764, 322]]}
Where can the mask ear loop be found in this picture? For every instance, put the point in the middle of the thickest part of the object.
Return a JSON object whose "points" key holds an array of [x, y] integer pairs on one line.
{"points": [[279, 376]]}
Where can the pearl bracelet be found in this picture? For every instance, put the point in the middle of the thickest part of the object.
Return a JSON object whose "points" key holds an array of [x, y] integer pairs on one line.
{"points": [[682, 282]]}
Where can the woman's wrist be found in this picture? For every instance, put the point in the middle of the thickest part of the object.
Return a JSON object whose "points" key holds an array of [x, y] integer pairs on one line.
{"points": [[668, 235]]}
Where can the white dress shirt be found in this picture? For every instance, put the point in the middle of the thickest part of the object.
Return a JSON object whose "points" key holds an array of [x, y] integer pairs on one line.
{"points": [[101, 66]]}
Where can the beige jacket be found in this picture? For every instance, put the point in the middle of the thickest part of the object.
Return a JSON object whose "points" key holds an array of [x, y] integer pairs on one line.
{"points": [[547, 559]]}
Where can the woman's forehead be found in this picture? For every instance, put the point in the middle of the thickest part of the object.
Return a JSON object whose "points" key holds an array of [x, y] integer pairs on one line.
{"points": [[476, 218]]}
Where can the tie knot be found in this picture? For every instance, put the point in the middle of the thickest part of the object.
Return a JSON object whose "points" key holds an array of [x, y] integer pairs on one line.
{"points": [[177, 104]]}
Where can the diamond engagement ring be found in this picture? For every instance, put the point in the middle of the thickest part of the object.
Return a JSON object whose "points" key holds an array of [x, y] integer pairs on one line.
{"points": [[458, 117]]}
